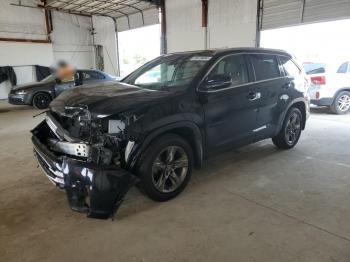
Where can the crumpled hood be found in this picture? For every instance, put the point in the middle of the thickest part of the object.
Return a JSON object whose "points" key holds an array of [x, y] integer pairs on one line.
{"points": [[107, 98]]}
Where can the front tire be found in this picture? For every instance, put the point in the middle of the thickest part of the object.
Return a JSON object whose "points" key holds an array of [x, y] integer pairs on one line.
{"points": [[166, 167], [341, 104], [290, 133], [41, 100]]}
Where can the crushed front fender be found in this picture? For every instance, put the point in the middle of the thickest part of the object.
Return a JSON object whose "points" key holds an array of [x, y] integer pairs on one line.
{"points": [[92, 189]]}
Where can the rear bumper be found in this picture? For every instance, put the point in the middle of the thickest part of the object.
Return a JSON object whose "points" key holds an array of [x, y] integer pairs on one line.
{"points": [[92, 189], [326, 101]]}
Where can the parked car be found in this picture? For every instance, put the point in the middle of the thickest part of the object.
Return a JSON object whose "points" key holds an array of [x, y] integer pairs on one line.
{"points": [[330, 86], [40, 94], [98, 141]]}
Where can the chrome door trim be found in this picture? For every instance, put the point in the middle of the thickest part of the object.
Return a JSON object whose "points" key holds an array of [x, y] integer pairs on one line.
{"points": [[231, 87]]}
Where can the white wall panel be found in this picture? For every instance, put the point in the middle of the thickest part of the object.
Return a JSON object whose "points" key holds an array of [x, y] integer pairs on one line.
{"points": [[105, 35], [72, 39], [184, 25], [24, 74], [21, 22], [232, 23], [15, 54], [22, 56]]}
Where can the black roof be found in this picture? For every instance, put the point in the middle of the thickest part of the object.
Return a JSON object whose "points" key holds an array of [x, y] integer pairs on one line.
{"points": [[224, 51]]}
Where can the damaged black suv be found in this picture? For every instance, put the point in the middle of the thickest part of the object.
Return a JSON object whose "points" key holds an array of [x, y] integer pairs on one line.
{"points": [[164, 119]]}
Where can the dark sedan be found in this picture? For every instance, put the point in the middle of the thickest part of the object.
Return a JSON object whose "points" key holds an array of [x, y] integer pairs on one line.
{"points": [[40, 94]]}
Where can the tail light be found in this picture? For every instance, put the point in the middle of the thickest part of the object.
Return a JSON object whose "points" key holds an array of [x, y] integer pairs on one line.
{"points": [[318, 80]]}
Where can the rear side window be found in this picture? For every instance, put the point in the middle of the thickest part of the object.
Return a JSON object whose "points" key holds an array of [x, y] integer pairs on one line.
{"points": [[343, 69], [265, 66], [290, 67]]}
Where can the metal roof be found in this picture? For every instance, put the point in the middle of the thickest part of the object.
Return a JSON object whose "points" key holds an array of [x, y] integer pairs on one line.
{"points": [[111, 8]]}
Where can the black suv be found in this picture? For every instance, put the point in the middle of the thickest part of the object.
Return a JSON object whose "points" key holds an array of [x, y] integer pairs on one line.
{"points": [[164, 119]]}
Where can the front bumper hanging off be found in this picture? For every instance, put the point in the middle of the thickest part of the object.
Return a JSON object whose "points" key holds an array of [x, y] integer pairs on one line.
{"points": [[90, 188]]}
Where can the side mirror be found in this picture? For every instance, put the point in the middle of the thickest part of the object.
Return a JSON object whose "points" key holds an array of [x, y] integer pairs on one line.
{"points": [[218, 81]]}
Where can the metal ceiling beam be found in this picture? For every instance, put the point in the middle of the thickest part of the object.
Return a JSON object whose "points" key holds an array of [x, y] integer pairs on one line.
{"points": [[84, 7], [130, 6]]}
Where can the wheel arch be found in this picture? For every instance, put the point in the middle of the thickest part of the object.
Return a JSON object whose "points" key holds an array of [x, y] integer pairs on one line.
{"points": [[347, 89], [298, 103], [41, 92], [185, 129]]}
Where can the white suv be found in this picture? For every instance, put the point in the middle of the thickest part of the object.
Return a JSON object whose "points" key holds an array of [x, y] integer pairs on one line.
{"points": [[330, 86]]}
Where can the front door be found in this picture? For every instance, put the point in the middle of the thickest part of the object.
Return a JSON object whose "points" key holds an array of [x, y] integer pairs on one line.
{"points": [[230, 107]]}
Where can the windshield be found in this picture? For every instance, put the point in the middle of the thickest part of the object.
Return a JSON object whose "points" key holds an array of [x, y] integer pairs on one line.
{"points": [[49, 78], [173, 71]]}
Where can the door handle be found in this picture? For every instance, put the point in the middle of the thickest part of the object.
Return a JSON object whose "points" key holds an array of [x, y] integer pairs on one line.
{"points": [[252, 96]]}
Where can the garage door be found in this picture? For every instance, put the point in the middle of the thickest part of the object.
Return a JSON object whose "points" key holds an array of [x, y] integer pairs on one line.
{"points": [[282, 13]]}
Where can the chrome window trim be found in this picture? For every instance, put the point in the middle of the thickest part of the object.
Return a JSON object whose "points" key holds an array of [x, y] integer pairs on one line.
{"points": [[232, 87], [249, 83]]}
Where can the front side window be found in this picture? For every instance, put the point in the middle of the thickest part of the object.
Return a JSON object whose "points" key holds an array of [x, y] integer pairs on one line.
{"points": [[343, 69], [232, 67], [168, 72], [265, 66], [290, 67]]}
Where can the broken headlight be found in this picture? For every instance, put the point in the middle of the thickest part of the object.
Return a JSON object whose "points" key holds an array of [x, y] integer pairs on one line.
{"points": [[115, 126]]}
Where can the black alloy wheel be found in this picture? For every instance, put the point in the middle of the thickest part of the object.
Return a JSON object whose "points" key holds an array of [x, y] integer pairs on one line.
{"points": [[290, 133], [166, 167], [41, 100]]}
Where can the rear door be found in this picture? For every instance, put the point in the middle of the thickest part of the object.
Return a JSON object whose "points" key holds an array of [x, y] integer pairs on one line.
{"points": [[230, 111], [273, 88]]}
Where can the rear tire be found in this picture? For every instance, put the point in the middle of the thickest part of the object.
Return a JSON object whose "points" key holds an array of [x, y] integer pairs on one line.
{"points": [[290, 133], [41, 100], [341, 104], [166, 167]]}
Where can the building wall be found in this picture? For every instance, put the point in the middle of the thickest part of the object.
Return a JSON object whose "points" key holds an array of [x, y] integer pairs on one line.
{"points": [[21, 22], [231, 23], [72, 40], [184, 25], [105, 35], [24, 23]]}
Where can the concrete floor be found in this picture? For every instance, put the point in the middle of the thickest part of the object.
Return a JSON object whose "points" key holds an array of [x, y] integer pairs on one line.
{"points": [[252, 204]]}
